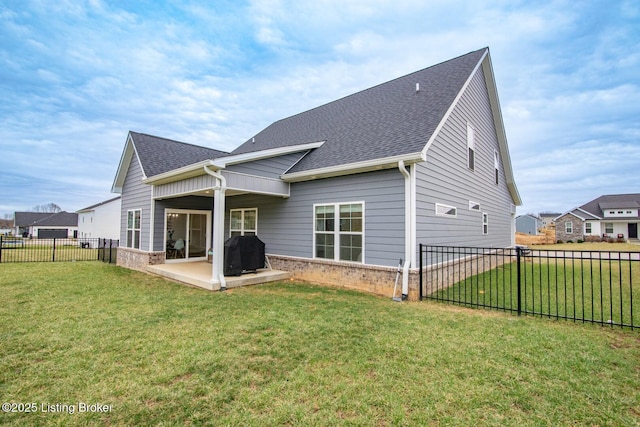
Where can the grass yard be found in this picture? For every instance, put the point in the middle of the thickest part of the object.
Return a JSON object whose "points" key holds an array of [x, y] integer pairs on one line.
{"points": [[158, 353], [46, 253], [590, 246], [568, 288]]}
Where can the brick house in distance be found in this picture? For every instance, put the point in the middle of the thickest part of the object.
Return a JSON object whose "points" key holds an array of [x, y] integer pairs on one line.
{"points": [[609, 217]]}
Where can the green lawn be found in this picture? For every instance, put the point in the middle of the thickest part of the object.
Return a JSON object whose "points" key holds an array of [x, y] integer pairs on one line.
{"points": [[47, 253], [294, 354], [598, 290]]}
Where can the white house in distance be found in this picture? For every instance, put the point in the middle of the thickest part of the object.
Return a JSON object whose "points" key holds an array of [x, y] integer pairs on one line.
{"points": [[609, 217], [101, 220], [46, 225]]}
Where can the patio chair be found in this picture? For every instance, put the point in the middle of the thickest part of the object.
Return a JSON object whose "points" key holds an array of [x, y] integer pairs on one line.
{"points": [[179, 248]]}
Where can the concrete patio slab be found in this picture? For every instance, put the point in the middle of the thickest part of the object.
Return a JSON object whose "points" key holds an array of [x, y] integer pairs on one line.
{"points": [[199, 274]]}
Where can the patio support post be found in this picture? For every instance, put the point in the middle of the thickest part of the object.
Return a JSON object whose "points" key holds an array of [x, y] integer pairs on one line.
{"points": [[218, 228]]}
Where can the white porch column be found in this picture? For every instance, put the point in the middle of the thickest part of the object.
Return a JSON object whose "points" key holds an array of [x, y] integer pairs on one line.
{"points": [[217, 268], [218, 237]]}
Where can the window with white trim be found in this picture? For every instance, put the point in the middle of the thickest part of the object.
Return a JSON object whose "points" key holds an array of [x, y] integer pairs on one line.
{"points": [[243, 222], [568, 227], [485, 223], [134, 219], [608, 227], [474, 206], [471, 147], [339, 231], [587, 228], [496, 166], [445, 210]]}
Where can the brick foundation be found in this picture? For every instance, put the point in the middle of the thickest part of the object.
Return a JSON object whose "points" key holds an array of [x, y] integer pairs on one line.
{"points": [[136, 259], [374, 279]]}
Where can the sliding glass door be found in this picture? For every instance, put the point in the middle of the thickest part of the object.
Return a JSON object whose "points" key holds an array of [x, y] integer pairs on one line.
{"points": [[187, 234]]}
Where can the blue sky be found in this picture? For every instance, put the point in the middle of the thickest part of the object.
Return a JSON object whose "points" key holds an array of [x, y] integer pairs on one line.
{"points": [[76, 76]]}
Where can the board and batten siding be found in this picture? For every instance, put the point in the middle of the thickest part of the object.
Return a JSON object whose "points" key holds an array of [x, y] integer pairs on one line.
{"points": [[446, 179], [286, 225], [136, 195]]}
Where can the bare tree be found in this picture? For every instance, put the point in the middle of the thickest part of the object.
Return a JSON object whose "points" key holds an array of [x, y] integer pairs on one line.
{"points": [[49, 207]]}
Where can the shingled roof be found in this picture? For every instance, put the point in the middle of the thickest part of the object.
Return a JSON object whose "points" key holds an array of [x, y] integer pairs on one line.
{"points": [[41, 219], [611, 201], [158, 155], [391, 119]]}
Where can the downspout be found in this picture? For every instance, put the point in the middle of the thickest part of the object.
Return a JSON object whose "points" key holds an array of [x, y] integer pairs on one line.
{"points": [[218, 227], [407, 228]]}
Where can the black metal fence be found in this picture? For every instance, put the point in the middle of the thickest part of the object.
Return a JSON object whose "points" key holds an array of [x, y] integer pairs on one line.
{"points": [[57, 250], [589, 286]]}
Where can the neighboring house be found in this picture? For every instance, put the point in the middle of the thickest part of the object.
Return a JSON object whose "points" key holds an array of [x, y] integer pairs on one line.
{"points": [[340, 192], [548, 219], [614, 216], [529, 224], [101, 220], [46, 225]]}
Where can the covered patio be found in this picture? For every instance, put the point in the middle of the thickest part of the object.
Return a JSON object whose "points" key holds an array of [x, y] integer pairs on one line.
{"points": [[186, 251], [199, 274]]}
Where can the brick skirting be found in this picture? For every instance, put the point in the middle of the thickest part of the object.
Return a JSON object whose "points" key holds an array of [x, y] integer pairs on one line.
{"points": [[378, 280], [136, 259]]}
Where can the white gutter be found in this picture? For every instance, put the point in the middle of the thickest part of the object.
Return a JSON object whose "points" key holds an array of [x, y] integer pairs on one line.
{"points": [[251, 156], [408, 208], [352, 168], [217, 261]]}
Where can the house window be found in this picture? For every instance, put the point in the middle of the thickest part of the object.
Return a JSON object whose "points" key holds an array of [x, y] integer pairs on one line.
{"points": [[608, 227], [587, 228], [471, 147], [474, 206], [133, 228], [243, 222], [485, 223], [496, 166], [568, 227], [444, 210], [339, 231]]}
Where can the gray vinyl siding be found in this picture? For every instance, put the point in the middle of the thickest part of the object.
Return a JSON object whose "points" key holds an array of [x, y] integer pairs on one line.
{"points": [[445, 178], [188, 202], [286, 225], [136, 195], [272, 167]]}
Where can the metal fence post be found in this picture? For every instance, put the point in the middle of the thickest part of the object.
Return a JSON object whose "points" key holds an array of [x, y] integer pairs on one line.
{"points": [[53, 253], [519, 280], [0, 248], [420, 281]]}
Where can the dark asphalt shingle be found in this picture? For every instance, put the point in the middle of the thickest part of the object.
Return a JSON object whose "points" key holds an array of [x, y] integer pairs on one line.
{"points": [[612, 201], [158, 155], [386, 120]]}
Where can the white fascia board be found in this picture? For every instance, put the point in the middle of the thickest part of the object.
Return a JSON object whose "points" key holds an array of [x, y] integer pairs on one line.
{"points": [[352, 168], [595, 217], [188, 171], [453, 105], [223, 162], [492, 91], [485, 63], [571, 212], [196, 169], [125, 160]]}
